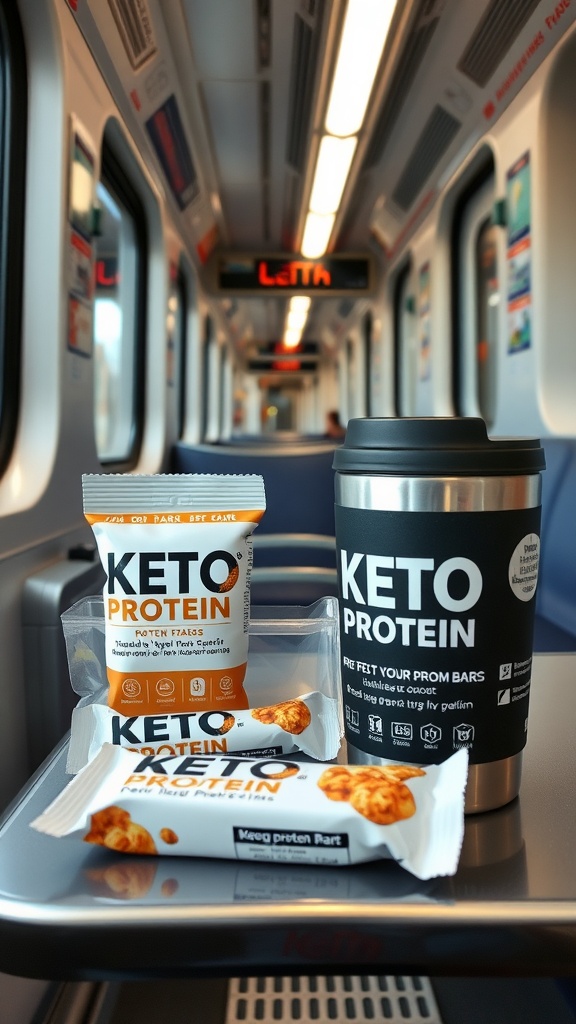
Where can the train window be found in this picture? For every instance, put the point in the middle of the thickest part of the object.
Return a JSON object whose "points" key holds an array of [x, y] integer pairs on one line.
{"points": [[13, 93], [351, 381], [213, 393], [207, 341], [554, 258], [477, 286], [188, 357], [177, 372], [405, 342], [119, 316], [487, 300], [367, 333], [226, 391]]}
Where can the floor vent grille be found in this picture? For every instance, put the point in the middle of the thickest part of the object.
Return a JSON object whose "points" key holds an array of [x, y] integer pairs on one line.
{"points": [[323, 1000]]}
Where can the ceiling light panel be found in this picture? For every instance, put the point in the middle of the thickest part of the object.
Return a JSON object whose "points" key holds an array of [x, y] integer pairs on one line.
{"points": [[317, 231], [228, 37], [365, 29], [333, 166]]}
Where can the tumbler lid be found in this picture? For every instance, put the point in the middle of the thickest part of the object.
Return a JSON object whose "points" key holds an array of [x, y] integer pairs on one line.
{"points": [[433, 446]]}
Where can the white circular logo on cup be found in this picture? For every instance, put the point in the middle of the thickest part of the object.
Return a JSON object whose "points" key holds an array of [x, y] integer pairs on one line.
{"points": [[523, 568]]}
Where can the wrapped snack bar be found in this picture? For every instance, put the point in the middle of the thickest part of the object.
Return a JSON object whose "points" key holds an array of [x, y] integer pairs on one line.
{"points": [[309, 724], [177, 553], [270, 809]]}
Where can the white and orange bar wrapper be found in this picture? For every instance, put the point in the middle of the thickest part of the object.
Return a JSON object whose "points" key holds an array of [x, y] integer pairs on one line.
{"points": [[268, 809], [177, 552], [309, 724]]}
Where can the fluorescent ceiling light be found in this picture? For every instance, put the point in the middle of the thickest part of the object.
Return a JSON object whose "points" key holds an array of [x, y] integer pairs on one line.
{"points": [[365, 29], [291, 338], [296, 319], [300, 303], [332, 168], [317, 231]]}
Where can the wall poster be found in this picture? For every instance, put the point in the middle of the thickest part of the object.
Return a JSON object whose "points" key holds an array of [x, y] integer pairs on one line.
{"points": [[81, 199], [519, 256]]}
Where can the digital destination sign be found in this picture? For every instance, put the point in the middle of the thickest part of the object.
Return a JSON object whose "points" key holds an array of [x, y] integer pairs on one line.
{"points": [[288, 274]]}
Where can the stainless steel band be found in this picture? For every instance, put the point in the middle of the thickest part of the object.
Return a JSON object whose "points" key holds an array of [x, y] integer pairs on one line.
{"points": [[438, 494]]}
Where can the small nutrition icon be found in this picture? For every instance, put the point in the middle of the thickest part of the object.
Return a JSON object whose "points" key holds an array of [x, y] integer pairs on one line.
{"points": [[431, 733], [504, 696], [197, 686], [463, 733], [506, 671], [131, 688], [375, 724], [165, 687], [226, 684], [402, 730]]}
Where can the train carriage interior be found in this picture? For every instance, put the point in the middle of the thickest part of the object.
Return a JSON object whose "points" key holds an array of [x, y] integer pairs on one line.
{"points": [[224, 226]]}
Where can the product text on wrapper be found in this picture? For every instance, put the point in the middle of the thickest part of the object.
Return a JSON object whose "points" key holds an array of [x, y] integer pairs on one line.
{"points": [[174, 576], [309, 724], [375, 590], [173, 573], [266, 809]]}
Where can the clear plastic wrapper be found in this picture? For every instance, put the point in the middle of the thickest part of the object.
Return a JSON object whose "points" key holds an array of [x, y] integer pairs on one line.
{"points": [[291, 651]]}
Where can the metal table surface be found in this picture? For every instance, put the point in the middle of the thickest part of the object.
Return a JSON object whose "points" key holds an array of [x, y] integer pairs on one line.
{"points": [[72, 911]]}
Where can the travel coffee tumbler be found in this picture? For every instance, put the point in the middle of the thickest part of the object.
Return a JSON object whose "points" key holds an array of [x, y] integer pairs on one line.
{"points": [[437, 533]]}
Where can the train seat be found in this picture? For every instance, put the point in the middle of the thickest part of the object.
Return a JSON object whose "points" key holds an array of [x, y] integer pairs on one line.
{"points": [[555, 623], [294, 545], [276, 437]]}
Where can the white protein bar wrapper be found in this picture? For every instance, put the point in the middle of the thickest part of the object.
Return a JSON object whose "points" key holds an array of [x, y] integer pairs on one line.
{"points": [[177, 552], [309, 724], [270, 809]]}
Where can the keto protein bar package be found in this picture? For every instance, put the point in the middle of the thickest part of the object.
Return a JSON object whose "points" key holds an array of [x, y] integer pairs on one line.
{"points": [[309, 724], [267, 809], [177, 552]]}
